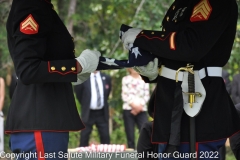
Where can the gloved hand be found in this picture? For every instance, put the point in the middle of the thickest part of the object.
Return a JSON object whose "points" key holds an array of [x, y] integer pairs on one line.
{"points": [[150, 70], [129, 36], [88, 59], [81, 77]]}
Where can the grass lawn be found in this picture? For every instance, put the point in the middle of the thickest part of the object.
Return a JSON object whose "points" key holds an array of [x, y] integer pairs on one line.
{"points": [[229, 154]]}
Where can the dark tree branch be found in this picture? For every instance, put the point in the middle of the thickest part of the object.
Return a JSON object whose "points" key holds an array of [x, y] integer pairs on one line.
{"points": [[135, 15]]}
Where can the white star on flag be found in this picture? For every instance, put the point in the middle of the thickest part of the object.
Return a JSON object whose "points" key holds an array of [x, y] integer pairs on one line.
{"points": [[110, 61], [136, 52]]}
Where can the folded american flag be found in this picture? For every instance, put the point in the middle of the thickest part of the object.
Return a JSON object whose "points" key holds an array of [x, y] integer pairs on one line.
{"points": [[136, 56]]}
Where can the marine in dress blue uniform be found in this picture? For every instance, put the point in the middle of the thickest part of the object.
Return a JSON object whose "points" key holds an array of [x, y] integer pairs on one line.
{"points": [[43, 108], [199, 32]]}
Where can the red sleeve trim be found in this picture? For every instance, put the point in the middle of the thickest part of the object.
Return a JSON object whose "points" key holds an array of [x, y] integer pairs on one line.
{"points": [[49, 70], [60, 72], [162, 39], [172, 41]]}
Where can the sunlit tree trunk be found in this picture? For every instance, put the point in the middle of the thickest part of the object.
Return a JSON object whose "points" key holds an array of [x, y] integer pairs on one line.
{"points": [[71, 12]]}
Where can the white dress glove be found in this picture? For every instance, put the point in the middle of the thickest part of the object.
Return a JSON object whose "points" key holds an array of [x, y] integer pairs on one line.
{"points": [[129, 36], [81, 77], [150, 70], [88, 59]]}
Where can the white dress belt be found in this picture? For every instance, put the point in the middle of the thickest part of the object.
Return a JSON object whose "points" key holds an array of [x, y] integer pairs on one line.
{"points": [[171, 74]]}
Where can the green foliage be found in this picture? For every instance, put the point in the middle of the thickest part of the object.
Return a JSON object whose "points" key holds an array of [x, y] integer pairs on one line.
{"points": [[229, 154], [4, 56], [234, 61]]}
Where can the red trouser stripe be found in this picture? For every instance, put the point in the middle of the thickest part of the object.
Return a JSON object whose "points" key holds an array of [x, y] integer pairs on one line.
{"points": [[39, 145], [197, 149]]}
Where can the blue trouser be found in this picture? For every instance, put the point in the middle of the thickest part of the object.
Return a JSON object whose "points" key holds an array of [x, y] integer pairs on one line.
{"points": [[39, 145], [204, 151]]}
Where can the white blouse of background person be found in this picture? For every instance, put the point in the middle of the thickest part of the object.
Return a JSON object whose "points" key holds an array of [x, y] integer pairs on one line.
{"points": [[134, 90]]}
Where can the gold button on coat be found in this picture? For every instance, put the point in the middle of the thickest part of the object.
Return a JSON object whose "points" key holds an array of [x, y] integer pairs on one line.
{"points": [[53, 68], [152, 32], [63, 68], [167, 18], [73, 68], [142, 32], [173, 7]]}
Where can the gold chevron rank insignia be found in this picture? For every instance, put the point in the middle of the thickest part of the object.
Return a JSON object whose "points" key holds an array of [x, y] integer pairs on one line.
{"points": [[201, 11], [29, 25]]}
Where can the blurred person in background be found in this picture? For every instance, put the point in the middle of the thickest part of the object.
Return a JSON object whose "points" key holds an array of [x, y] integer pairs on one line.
{"points": [[235, 92], [93, 96], [145, 144], [225, 76], [235, 139], [11, 81], [2, 97], [228, 84], [135, 96]]}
